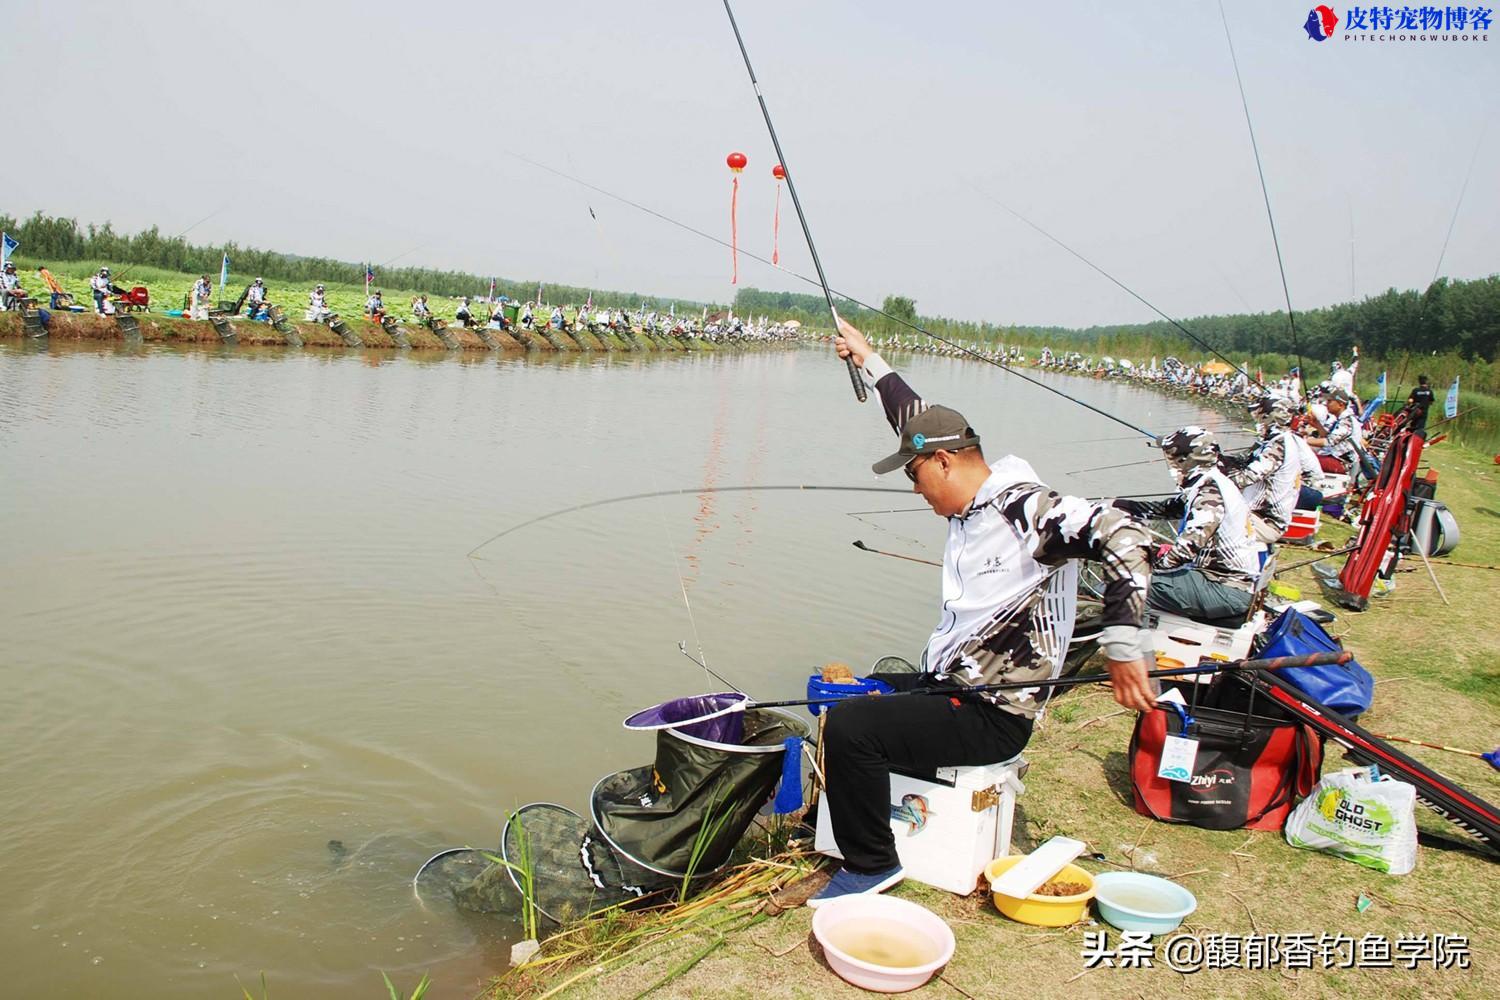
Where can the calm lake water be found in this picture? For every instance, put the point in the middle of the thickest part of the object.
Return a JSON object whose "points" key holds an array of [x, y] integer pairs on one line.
{"points": [[239, 622]]}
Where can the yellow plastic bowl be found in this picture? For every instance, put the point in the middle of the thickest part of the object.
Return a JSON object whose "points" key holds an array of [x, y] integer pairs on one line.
{"points": [[1043, 911]]}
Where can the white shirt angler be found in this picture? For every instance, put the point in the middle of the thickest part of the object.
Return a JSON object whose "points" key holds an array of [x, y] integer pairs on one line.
{"points": [[988, 570], [1344, 379]]}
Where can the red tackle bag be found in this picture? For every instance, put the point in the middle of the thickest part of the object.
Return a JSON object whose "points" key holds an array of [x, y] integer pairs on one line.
{"points": [[1249, 770]]}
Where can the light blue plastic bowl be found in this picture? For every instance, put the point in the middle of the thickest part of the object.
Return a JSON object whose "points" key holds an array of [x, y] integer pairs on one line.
{"points": [[1123, 899]]}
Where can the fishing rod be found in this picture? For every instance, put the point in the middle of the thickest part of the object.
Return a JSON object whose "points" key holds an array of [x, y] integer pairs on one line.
{"points": [[1275, 663], [693, 491], [408, 253], [895, 555], [1126, 288], [900, 320], [854, 376], [1308, 562], [1492, 758], [928, 510], [1473, 158], [130, 267], [1266, 194]]}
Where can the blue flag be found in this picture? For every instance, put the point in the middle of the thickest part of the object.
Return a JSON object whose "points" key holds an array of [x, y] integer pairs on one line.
{"points": [[1450, 407], [1375, 403], [7, 245], [224, 272]]}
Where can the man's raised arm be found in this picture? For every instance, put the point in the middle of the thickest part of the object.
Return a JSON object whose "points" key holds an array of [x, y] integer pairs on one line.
{"points": [[900, 400]]}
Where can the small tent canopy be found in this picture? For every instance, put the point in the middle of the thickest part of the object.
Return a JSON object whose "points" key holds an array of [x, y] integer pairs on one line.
{"points": [[1216, 368]]}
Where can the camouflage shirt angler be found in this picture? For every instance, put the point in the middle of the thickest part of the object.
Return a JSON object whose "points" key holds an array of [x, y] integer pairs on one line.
{"points": [[1010, 573], [1213, 533]]}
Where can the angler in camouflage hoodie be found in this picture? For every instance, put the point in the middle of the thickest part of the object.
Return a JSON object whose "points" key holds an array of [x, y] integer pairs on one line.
{"points": [[1272, 478], [1008, 602], [1209, 573]]}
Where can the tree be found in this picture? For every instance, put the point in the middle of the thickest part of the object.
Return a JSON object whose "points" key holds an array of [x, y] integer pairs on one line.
{"points": [[900, 307]]}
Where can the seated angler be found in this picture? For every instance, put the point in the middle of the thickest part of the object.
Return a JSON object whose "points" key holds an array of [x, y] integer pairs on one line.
{"points": [[1209, 573], [255, 299], [375, 307], [1008, 586], [421, 311], [1271, 480], [463, 315], [1342, 440], [10, 287]]}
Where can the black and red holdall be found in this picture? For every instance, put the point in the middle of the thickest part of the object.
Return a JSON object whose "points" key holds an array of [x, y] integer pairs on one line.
{"points": [[1249, 770]]}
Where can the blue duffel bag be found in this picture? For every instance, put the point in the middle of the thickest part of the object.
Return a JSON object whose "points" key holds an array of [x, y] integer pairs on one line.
{"points": [[1347, 688]]}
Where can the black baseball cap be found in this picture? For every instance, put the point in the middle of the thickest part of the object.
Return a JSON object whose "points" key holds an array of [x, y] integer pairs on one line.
{"points": [[936, 428]]}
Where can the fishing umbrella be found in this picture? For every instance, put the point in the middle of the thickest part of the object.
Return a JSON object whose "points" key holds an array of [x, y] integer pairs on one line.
{"points": [[737, 162], [778, 172]]}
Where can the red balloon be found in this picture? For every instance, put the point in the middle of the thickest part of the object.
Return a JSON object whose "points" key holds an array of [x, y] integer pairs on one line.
{"points": [[778, 172], [736, 161]]}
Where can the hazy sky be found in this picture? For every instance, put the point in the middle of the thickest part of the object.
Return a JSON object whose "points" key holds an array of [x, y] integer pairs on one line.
{"points": [[365, 129]]}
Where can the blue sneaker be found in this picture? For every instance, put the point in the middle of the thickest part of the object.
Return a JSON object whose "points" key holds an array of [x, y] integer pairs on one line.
{"points": [[847, 883]]}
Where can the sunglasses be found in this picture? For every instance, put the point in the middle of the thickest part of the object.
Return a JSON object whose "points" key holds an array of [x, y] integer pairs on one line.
{"points": [[910, 468]]}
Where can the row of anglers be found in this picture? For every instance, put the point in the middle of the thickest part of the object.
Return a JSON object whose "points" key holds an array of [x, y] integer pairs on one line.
{"points": [[502, 313], [1210, 378]]}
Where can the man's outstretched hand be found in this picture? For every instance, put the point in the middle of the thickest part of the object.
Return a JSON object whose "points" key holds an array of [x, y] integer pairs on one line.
{"points": [[1132, 687], [850, 343]]}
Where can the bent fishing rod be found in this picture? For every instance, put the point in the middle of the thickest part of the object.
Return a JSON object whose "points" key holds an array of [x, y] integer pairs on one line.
{"points": [[854, 376], [899, 320], [959, 691]]}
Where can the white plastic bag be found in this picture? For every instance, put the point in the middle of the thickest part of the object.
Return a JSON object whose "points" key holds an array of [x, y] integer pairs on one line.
{"points": [[1372, 823]]}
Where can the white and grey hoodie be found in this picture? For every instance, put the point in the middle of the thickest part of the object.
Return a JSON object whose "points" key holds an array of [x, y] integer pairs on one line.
{"points": [[1010, 573]]}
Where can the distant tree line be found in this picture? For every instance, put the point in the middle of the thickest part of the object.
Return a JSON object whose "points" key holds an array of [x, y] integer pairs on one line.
{"points": [[1454, 318], [44, 237], [1460, 318]]}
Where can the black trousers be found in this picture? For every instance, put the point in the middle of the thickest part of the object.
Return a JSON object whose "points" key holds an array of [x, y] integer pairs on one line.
{"points": [[864, 738]]}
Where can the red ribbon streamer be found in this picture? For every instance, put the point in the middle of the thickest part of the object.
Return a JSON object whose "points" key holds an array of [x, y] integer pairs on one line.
{"points": [[734, 230], [776, 228]]}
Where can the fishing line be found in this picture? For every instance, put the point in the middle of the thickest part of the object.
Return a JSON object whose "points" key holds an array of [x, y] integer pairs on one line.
{"points": [[1117, 282], [682, 586], [130, 267], [675, 493], [854, 377], [1461, 192], [1265, 193], [1444, 251], [1122, 465], [813, 281]]}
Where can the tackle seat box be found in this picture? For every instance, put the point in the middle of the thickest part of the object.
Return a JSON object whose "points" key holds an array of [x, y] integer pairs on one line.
{"points": [[1187, 643], [971, 812], [1304, 525]]}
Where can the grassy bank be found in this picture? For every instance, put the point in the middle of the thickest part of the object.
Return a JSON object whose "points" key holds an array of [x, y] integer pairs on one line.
{"points": [[170, 288], [346, 300], [1438, 678]]}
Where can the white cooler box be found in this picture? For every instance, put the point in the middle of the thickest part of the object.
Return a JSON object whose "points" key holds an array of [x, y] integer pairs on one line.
{"points": [[1186, 642], [970, 814]]}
